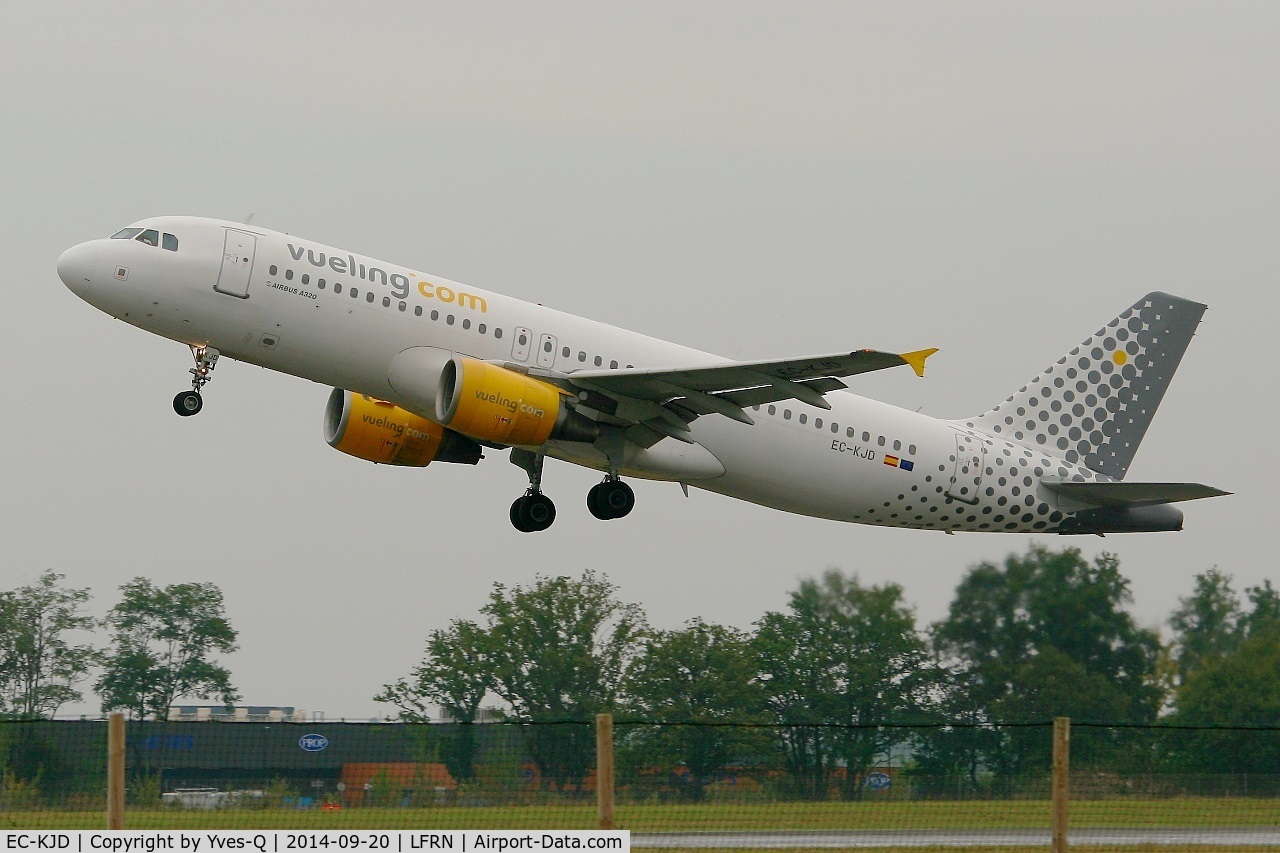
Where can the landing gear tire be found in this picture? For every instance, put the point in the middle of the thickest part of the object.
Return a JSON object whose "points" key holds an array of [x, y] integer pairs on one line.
{"points": [[188, 403], [533, 513], [610, 499]]}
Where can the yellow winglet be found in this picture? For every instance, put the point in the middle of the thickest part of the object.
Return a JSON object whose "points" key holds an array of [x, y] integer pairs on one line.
{"points": [[916, 359]]}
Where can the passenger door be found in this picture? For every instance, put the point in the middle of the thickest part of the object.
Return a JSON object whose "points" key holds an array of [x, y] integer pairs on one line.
{"points": [[237, 263], [966, 476]]}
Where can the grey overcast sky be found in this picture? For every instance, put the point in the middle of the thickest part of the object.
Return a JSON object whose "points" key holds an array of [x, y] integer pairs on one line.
{"points": [[753, 179]]}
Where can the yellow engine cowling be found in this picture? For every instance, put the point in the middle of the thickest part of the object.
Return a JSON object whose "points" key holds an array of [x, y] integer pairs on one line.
{"points": [[381, 432], [494, 404]]}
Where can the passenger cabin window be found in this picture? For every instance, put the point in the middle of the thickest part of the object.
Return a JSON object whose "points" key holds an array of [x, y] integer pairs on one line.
{"points": [[170, 242], [151, 237], [126, 234]]}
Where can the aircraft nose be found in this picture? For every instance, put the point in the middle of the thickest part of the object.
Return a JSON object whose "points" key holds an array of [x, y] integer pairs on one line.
{"points": [[77, 266]]}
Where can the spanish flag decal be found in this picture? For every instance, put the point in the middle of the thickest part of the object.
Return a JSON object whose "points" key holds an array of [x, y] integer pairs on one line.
{"points": [[891, 461]]}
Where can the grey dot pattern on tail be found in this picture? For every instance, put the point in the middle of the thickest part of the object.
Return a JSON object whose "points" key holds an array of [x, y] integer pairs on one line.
{"points": [[1093, 405]]}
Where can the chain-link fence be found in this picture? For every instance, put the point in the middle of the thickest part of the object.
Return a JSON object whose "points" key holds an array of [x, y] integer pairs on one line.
{"points": [[668, 777]]}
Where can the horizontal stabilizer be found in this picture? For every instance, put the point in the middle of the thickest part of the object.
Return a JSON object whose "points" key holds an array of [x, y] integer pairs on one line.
{"points": [[1130, 494]]}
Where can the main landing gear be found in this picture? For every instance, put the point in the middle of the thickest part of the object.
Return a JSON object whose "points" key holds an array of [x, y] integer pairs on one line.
{"points": [[534, 511], [189, 403], [610, 499]]}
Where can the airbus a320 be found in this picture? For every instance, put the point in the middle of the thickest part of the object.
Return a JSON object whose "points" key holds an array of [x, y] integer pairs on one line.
{"points": [[428, 370]]}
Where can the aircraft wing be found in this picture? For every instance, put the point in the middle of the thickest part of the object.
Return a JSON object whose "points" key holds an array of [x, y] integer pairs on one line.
{"points": [[663, 402], [1121, 494]]}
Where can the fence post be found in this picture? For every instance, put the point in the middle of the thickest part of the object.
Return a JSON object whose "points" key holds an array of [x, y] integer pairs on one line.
{"points": [[115, 771], [604, 769], [1061, 776]]}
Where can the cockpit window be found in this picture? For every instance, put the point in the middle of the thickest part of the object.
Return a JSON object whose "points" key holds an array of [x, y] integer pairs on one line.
{"points": [[126, 234], [151, 237], [170, 242]]}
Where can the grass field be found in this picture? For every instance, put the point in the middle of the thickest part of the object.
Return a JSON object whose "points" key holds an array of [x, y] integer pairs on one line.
{"points": [[919, 816]]}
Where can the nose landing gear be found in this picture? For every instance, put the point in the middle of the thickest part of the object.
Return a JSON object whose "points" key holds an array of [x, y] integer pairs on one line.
{"points": [[189, 403]]}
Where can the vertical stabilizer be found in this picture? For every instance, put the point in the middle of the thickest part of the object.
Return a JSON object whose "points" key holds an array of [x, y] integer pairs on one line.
{"points": [[1093, 406]]}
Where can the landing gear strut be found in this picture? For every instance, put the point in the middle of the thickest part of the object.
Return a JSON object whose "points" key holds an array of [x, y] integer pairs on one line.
{"points": [[533, 511], [610, 499], [189, 403]]}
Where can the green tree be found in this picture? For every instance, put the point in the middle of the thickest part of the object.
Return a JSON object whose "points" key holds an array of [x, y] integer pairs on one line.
{"points": [[965, 748], [559, 651], [39, 665], [1002, 618], [455, 674], [1045, 635], [1240, 688], [846, 654], [1205, 624], [697, 679], [1264, 610], [162, 646]]}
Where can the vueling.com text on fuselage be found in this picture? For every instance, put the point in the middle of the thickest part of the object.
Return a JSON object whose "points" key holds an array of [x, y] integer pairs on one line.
{"points": [[398, 282]]}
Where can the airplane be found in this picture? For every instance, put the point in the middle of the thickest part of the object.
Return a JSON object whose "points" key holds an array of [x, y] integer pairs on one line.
{"points": [[425, 370]]}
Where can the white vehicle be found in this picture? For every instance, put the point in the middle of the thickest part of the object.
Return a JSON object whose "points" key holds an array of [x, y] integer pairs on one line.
{"points": [[205, 799], [425, 369]]}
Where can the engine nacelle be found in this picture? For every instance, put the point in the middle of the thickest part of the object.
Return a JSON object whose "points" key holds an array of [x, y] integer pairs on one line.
{"points": [[491, 403], [382, 432]]}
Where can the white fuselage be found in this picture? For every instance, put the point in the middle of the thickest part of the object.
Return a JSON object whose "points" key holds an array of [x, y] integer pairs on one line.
{"points": [[337, 318]]}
